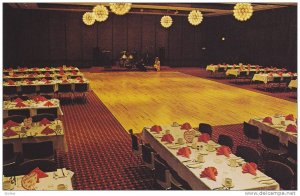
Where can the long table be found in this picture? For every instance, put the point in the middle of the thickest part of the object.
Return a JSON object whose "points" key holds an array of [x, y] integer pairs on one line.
{"points": [[265, 78], [34, 134], [293, 84], [237, 72], [51, 182], [35, 76], [214, 68], [241, 181], [45, 69], [32, 106], [277, 128]]}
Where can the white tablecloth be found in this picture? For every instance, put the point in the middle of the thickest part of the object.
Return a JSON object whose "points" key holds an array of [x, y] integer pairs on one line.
{"points": [[276, 129], [293, 84], [241, 181], [265, 78], [51, 69], [32, 106], [54, 75], [49, 183], [33, 135]]}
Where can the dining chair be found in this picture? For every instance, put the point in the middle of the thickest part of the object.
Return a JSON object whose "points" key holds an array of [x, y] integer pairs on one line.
{"points": [[15, 118], [20, 112], [225, 140], [251, 132], [44, 165], [10, 91], [81, 89], [52, 111], [248, 154], [205, 128], [65, 89], [280, 172], [28, 90], [148, 157], [47, 90], [39, 117], [135, 146], [271, 144], [10, 160], [292, 151], [162, 176], [39, 150]]}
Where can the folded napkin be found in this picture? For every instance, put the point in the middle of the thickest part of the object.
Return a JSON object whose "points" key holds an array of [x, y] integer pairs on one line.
{"points": [[184, 151], [249, 168], [29, 82], [167, 138], [30, 75], [10, 123], [26, 80], [39, 98], [291, 74], [9, 133], [20, 105], [43, 79], [34, 69], [280, 74], [205, 137], [62, 73], [283, 69], [10, 69], [47, 82], [18, 100], [65, 81], [224, 150], [209, 172], [186, 126], [156, 128], [268, 120], [78, 78], [47, 131], [45, 121], [15, 75], [290, 117], [10, 82], [47, 74], [48, 103], [81, 81], [291, 128], [40, 173], [74, 72], [47, 68], [270, 75]]}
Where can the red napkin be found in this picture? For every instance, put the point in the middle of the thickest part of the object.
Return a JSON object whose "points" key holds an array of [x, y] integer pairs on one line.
{"points": [[205, 137], [47, 131], [186, 126], [10, 69], [30, 75], [270, 74], [43, 79], [26, 80], [78, 78], [72, 67], [18, 100], [35, 68], [81, 81], [47, 74], [290, 117], [280, 74], [39, 98], [48, 103], [62, 73], [156, 128], [283, 69], [74, 73], [29, 82], [167, 138], [10, 123], [291, 128], [47, 68], [45, 121], [209, 172], [40, 173], [268, 120], [65, 81], [20, 104], [15, 75], [10, 82], [249, 168], [184, 151], [9, 133], [224, 150]]}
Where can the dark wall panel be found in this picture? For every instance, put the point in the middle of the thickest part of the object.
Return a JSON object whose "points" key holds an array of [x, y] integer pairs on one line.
{"points": [[119, 35], [89, 42], [148, 35], [161, 39], [134, 32], [105, 38], [175, 39]]}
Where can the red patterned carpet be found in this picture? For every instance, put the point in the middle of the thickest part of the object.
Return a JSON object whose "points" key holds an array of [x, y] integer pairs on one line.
{"points": [[100, 148]]}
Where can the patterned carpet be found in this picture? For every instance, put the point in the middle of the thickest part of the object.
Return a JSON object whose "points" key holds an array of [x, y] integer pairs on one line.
{"points": [[100, 148]]}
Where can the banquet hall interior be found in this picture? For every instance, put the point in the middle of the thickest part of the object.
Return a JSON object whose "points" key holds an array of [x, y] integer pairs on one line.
{"points": [[149, 96]]}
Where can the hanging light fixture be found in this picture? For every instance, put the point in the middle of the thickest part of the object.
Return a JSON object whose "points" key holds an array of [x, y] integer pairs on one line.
{"points": [[88, 18], [100, 12], [243, 11], [166, 21], [195, 17], [120, 8]]}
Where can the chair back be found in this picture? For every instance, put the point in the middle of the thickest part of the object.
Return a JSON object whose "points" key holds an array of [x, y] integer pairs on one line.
{"points": [[205, 128], [292, 150], [47, 88], [52, 111], [276, 79], [81, 87], [64, 88], [225, 140], [243, 74], [39, 117], [147, 154], [10, 90], [251, 131], [270, 141], [8, 151], [162, 174], [44, 165], [38, 150], [248, 154], [15, 118], [280, 172], [134, 141], [221, 69], [21, 112], [28, 89]]}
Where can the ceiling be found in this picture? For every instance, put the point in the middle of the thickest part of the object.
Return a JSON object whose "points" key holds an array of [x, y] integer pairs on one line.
{"points": [[180, 9]]}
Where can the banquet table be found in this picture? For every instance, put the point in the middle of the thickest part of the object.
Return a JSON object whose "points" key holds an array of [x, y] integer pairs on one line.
{"points": [[236, 72], [34, 134], [277, 128], [53, 75], [55, 82], [265, 78], [49, 69], [61, 176], [293, 84], [214, 68], [32, 105], [241, 181]]}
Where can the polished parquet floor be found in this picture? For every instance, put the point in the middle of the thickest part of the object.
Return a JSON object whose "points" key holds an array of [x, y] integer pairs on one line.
{"points": [[139, 99]]}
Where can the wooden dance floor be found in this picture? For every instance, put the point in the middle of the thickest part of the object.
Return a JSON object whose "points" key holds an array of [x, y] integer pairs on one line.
{"points": [[139, 99]]}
